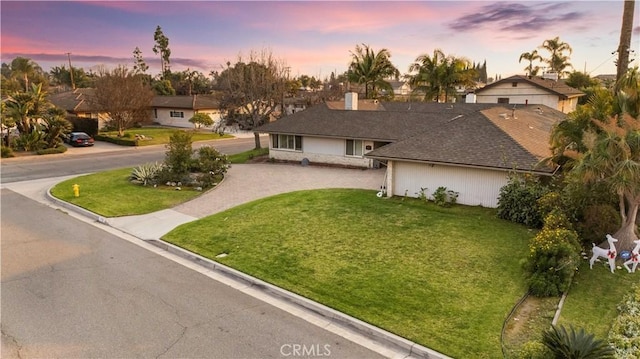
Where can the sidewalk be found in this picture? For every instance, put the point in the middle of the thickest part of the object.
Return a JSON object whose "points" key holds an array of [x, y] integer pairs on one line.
{"points": [[242, 184]]}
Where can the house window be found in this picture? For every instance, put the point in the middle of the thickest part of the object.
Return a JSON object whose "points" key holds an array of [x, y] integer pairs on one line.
{"points": [[176, 114], [354, 148], [503, 100], [286, 142], [514, 84]]}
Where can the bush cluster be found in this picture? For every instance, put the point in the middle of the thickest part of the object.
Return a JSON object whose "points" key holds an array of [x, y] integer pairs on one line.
{"points": [[117, 140], [624, 335], [181, 168], [518, 201], [49, 151], [6, 152], [553, 256]]}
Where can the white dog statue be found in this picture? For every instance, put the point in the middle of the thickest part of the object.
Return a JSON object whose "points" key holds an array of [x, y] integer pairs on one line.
{"points": [[610, 253], [633, 261]]}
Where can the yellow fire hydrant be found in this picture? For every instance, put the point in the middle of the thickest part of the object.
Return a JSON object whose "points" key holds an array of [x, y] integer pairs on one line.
{"points": [[76, 190]]}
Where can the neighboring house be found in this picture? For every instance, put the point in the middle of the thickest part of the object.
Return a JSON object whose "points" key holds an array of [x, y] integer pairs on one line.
{"points": [[400, 88], [524, 90], [77, 103], [467, 148], [177, 110], [295, 104]]}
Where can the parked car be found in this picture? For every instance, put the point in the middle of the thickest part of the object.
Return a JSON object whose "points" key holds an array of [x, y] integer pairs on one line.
{"points": [[77, 139]]}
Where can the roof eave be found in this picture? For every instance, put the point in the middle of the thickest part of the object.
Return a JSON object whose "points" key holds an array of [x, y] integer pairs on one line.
{"points": [[550, 172]]}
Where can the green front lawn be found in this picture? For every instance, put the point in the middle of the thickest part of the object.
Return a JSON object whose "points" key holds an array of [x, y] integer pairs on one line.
{"points": [[594, 295], [161, 135], [110, 194], [443, 277]]}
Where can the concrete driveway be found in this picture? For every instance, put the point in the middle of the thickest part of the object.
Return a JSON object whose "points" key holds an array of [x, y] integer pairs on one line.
{"points": [[248, 182], [245, 183]]}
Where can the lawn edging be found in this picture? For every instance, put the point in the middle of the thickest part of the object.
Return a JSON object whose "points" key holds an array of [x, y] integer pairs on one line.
{"points": [[388, 339]]}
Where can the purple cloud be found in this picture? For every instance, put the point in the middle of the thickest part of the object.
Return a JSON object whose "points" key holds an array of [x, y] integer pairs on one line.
{"points": [[505, 16]]}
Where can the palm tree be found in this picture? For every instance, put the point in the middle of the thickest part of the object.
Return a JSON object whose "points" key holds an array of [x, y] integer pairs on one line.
{"points": [[531, 57], [628, 91], [371, 69], [55, 126], [24, 68], [456, 71], [625, 38], [438, 75], [570, 344], [557, 61], [26, 107], [427, 80]]}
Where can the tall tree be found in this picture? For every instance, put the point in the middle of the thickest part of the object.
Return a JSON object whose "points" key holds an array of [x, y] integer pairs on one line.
{"points": [[531, 57], [252, 90], [427, 80], [25, 69], [139, 66], [605, 148], [625, 38], [438, 75], [558, 62], [61, 76], [124, 97], [372, 69], [25, 108], [162, 47]]}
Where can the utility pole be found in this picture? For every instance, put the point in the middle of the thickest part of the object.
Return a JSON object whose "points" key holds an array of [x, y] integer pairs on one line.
{"points": [[73, 84]]}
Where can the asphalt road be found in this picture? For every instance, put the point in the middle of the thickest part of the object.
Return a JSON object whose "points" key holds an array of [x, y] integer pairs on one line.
{"points": [[70, 289], [102, 156]]}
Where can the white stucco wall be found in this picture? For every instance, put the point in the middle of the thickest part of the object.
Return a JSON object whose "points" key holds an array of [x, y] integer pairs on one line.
{"points": [[525, 93], [476, 187], [163, 116], [321, 150]]}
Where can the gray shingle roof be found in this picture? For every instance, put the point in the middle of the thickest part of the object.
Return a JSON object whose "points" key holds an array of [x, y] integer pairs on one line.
{"points": [[195, 102], [482, 135]]}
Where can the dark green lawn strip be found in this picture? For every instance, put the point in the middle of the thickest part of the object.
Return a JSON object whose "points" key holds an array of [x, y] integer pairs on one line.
{"points": [[443, 277], [161, 135]]}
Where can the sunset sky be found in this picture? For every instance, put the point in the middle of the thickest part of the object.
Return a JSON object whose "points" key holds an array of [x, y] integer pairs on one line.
{"points": [[312, 37]]}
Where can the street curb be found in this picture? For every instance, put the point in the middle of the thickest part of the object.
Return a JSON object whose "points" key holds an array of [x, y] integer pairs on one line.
{"points": [[75, 208], [385, 338]]}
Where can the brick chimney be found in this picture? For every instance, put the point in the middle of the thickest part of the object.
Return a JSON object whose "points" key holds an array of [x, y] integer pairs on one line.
{"points": [[351, 101]]}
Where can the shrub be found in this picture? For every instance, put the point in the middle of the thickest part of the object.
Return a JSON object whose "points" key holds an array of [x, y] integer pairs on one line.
{"points": [[117, 140], [553, 255], [518, 201], [6, 152], [575, 345], [178, 156], [212, 165], [146, 174], [49, 151], [624, 335], [444, 198], [201, 119], [31, 141]]}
